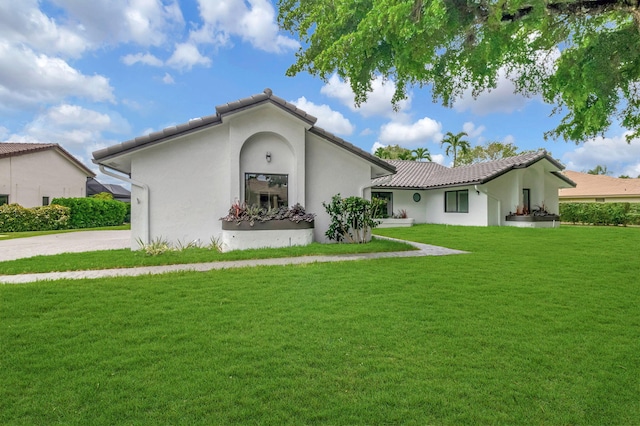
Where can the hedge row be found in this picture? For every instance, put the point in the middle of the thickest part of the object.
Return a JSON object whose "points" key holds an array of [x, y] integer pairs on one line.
{"points": [[92, 212], [15, 218], [601, 213]]}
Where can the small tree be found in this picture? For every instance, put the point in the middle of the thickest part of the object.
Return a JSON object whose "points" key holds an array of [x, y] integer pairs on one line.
{"points": [[456, 146], [352, 218]]}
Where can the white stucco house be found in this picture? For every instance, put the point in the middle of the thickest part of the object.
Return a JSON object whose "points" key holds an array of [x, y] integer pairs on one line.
{"points": [[33, 174], [259, 149], [506, 192]]}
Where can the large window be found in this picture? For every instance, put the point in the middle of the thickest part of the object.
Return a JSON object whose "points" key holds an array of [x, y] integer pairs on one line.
{"points": [[456, 201], [266, 190], [387, 199], [4, 199]]}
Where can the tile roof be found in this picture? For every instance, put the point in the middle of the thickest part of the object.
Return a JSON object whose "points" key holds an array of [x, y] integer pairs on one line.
{"points": [[424, 175], [596, 186], [12, 149], [232, 107]]}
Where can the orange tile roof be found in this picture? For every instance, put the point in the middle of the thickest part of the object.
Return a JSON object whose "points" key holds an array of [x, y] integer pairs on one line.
{"points": [[599, 186]]}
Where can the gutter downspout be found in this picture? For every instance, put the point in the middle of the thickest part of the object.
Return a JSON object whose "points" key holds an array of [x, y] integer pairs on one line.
{"points": [[495, 198], [145, 199]]}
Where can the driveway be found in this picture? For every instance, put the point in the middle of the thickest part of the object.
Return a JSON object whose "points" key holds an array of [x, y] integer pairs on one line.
{"points": [[70, 242]]}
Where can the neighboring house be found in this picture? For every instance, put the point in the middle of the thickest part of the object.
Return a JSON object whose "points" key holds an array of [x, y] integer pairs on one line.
{"points": [[33, 174], [482, 194], [119, 192], [261, 148], [600, 189]]}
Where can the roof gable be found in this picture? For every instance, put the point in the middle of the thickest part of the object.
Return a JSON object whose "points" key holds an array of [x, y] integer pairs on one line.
{"points": [[427, 175], [103, 155], [13, 149]]}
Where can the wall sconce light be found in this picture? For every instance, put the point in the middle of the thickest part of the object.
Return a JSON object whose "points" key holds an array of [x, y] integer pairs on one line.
{"points": [[268, 157]]}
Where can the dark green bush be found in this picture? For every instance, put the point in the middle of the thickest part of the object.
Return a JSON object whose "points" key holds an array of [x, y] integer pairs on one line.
{"points": [[92, 212], [15, 218], [601, 213]]}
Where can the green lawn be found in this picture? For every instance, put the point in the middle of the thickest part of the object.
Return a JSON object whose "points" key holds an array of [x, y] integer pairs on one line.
{"points": [[532, 327], [125, 258], [26, 234]]}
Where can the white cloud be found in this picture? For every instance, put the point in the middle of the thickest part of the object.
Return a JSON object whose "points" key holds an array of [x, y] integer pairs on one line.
{"points": [[471, 130], [619, 156], [439, 158], [377, 145], [328, 119], [378, 101], [23, 23], [168, 79], [254, 23], [145, 22], [414, 134], [29, 79], [71, 125], [185, 56], [144, 58], [502, 99]]}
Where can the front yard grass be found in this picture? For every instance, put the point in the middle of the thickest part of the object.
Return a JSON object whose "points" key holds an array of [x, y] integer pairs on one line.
{"points": [[533, 327], [126, 258], [26, 234]]}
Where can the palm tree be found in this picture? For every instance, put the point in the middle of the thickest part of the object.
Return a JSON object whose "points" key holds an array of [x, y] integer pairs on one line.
{"points": [[420, 154], [455, 145]]}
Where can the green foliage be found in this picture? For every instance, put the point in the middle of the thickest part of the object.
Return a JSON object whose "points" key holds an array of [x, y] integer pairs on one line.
{"points": [[352, 218], [103, 196], [396, 152], [456, 146], [15, 218], [601, 213], [599, 170], [581, 56], [92, 212], [488, 152]]}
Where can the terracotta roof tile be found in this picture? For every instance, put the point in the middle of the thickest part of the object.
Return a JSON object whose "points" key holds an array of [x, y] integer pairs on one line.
{"points": [[10, 149], [599, 186]]}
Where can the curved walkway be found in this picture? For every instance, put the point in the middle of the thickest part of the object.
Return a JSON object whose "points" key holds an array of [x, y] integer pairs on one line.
{"points": [[422, 250]]}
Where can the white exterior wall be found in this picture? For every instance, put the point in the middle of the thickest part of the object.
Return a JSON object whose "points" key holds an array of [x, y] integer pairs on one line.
{"points": [[478, 208], [194, 179], [188, 181], [27, 178], [403, 200], [331, 170]]}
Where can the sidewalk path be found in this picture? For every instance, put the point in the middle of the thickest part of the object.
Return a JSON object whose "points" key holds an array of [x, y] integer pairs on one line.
{"points": [[423, 250]]}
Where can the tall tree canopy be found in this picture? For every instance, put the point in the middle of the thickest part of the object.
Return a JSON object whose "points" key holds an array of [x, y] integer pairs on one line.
{"points": [[580, 55], [492, 150]]}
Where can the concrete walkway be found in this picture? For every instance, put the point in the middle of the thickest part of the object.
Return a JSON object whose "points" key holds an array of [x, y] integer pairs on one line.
{"points": [[66, 242], [422, 250]]}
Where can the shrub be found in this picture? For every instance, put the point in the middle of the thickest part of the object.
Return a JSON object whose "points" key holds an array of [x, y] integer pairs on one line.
{"points": [[15, 218], [92, 212], [351, 218], [601, 213]]}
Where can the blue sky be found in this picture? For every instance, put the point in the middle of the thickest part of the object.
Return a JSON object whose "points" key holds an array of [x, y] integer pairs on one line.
{"points": [[89, 74]]}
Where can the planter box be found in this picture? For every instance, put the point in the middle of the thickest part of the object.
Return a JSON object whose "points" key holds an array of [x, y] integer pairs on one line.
{"points": [[395, 223], [271, 234], [528, 221]]}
